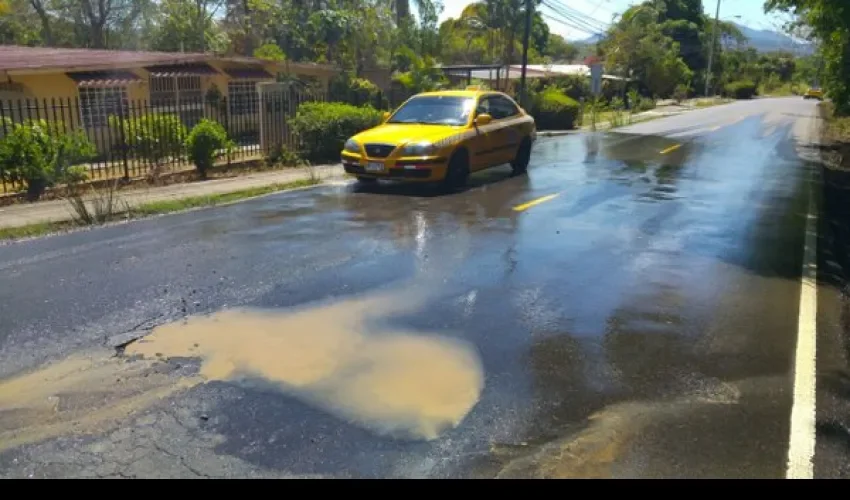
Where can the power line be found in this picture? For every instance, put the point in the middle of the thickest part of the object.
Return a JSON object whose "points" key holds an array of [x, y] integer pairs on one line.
{"points": [[569, 24], [575, 15], [573, 23]]}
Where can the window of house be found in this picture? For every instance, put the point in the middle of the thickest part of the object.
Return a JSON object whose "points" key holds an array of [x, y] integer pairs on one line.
{"points": [[176, 91], [178, 94], [243, 97], [97, 104]]}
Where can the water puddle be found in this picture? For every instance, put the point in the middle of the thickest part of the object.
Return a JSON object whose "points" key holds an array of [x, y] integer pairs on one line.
{"points": [[396, 382], [411, 385]]}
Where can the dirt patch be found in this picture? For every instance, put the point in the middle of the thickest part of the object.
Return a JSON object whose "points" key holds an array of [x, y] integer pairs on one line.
{"points": [[82, 394]]}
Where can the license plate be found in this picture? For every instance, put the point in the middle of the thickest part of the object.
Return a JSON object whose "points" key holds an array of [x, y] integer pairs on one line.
{"points": [[374, 166]]}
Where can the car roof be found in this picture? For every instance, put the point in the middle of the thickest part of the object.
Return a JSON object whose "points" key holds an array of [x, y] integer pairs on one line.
{"points": [[459, 93]]}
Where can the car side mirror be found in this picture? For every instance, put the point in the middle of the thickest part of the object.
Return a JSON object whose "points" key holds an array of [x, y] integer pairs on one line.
{"points": [[483, 119], [385, 116]]}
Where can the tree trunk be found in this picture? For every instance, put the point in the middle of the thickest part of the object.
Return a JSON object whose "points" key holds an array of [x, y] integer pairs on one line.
{"points": [[47, 32], [98, 41], [402, 11]]}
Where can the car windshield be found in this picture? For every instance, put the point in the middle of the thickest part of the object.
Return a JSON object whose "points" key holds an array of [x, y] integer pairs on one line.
{"points": [[435, 110]]}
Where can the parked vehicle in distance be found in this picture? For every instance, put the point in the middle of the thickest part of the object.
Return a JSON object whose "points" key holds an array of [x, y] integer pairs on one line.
{"points": [[814, 93], [442, 137]]}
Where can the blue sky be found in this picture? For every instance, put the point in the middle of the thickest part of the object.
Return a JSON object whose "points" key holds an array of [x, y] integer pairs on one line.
{"points": [[751, 12]]}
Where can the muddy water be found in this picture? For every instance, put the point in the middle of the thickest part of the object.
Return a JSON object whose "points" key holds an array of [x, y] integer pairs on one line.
{"points": [[405, 384]]}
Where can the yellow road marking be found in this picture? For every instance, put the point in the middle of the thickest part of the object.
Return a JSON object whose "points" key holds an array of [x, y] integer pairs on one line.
{"points": [[671, 149], [526, 206]]}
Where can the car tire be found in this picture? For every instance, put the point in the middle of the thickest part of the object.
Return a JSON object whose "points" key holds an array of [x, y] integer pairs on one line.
{"points": [[523, 158], [457, 173]]}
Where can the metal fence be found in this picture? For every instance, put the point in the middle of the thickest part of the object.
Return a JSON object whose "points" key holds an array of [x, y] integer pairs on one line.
{"points": [[258, 123]]}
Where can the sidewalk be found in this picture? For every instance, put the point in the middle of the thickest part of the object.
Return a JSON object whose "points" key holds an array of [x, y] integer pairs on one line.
{"points": [[59, 210]]}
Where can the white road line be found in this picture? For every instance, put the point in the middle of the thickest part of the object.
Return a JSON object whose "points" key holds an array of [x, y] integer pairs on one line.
{"points": [[801, 448]]}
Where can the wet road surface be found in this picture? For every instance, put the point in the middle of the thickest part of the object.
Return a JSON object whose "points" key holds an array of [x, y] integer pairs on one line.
{"points": [[627, 309]]}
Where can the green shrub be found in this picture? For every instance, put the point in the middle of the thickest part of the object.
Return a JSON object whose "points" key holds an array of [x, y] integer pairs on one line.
{"points": [[323, 127], [358, 91], [744, 89], [207, 141], [153, 136], [681, 92], [39, 156], [553, 110]]}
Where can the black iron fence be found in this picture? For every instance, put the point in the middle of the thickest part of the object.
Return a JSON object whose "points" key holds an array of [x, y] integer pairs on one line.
{"points": [[132, 138]]}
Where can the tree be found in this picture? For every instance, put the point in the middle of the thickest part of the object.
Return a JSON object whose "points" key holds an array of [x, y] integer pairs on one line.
{"points": [[559, 50], [99, 16], [19, 23], [638, 47], [187, 25], [829, 24]]}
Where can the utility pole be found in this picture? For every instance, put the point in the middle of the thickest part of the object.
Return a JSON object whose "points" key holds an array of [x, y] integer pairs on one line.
{"points": [[714, 31], [523, 92]]}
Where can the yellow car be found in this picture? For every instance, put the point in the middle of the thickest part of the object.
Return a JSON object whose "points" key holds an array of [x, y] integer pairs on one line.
{"points": [[443, 137], [814, 93]]}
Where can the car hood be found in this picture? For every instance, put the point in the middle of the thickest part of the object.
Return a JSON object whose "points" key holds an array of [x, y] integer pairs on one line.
{"points": [[399, 134]]}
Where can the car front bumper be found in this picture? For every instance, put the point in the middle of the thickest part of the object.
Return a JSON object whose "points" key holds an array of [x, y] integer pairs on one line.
{"points": [[430, 169]]}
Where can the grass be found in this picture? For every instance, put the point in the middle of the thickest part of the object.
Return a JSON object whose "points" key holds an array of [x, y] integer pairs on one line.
{"points": [[836, 137], [168, 206], [707, 103], [837, 128], [159, 208], [787, 89], [34, 230]]}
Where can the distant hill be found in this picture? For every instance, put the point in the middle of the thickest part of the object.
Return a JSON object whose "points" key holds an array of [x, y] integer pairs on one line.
{"points": [[771, 41], [761, 40]]}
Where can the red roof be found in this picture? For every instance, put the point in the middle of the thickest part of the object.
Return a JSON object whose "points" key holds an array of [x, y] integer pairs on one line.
{"points": [[13, 57]]}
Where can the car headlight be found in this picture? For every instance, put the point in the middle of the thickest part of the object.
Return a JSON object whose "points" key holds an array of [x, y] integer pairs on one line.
{"points": [[418, 149], [351, 146]]}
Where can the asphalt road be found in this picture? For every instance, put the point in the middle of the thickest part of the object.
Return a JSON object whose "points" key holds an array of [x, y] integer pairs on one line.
{"points": [[630, 308]]}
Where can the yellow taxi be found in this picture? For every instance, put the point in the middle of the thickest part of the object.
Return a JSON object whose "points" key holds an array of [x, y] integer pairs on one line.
{"points": [[443, 137], [814, 93]]}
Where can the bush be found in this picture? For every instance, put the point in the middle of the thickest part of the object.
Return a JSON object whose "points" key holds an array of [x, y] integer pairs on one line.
{"points": [[681, 92], [357, 91], [153, 136], [207, 141], [323, 127], [553, 110], [39, 156], [744, 89]]}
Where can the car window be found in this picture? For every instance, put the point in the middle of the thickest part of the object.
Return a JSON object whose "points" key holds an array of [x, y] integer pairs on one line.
{"points": [[501, 107], [434, 110]]}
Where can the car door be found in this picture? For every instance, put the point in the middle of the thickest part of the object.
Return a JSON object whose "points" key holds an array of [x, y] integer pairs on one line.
{"points": [[482, 144], [505, 137]]}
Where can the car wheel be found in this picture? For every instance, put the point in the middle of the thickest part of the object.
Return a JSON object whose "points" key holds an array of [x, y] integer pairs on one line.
{"points": [[523, 157], [457, 173]]}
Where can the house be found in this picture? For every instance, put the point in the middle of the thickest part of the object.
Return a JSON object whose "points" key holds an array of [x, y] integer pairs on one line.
{"points": [[506, 78], [92, 85]]}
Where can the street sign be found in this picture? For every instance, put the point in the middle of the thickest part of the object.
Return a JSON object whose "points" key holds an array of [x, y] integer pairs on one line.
{"points": [[591, 60], [596, 79]]}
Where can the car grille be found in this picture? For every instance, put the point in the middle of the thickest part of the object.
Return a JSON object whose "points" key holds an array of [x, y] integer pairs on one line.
{"points": [[420, 173], [379, 150]]}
